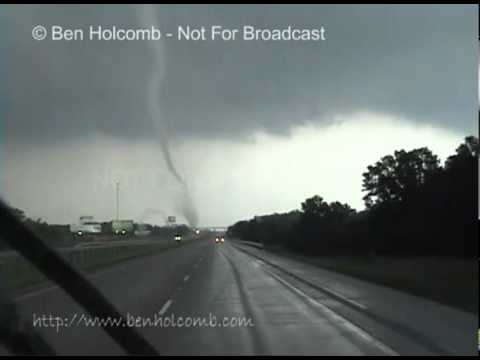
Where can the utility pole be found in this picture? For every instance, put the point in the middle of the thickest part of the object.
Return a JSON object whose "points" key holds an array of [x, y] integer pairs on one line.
{"points": [[117, 183]]}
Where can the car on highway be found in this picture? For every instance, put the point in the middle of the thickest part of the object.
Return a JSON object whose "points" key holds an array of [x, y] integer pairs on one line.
{"points": [[219, 239], [178, 237]]}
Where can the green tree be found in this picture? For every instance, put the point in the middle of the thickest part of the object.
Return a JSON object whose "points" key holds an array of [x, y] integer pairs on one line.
{"points": [[466, 152], [315, 207], [341, 211], [395, 177], [19, 214]]}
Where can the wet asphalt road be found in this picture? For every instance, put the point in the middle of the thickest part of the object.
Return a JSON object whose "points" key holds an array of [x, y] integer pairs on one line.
{"points": [[201, 298]]}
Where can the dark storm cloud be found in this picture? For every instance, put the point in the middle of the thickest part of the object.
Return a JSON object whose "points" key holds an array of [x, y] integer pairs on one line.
{"points": [[414, 61], [57, 90]]}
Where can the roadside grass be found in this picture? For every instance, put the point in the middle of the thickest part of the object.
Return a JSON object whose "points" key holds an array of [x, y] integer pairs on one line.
{"points": [[19, 274], [448, 281]]}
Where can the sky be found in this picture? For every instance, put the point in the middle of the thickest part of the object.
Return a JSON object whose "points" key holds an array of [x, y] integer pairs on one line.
{"points": [[218, 131]]}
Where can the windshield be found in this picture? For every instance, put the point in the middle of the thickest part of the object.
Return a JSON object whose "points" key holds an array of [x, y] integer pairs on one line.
{"points": [[239, 179]]}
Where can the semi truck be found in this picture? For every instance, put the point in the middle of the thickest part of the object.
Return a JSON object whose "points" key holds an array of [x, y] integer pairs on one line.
{"points": [[122, 227]]}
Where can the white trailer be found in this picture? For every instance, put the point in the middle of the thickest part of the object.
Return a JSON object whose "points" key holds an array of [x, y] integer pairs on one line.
{"points": [[86, 225]]}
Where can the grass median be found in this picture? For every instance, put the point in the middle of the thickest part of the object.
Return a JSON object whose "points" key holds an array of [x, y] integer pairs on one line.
{"points": [[447, 280], [19, 274]]}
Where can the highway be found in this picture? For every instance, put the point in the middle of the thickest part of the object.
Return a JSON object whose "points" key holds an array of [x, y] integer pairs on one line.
{"points": [[247, 307]]}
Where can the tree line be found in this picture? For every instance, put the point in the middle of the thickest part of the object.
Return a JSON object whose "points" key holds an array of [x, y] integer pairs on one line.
{"points": [[414, 205]]}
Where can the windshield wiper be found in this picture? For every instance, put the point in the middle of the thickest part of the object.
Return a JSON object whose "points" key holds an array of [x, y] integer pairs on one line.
{"points": [[54, 267]]}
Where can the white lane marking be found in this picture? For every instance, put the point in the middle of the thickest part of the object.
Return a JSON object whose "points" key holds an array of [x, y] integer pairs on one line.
{"points": [[335, 293], [185, 279], [165, 307], [36, 293], [56, 287], [47, 289], [344, 298], [338, 318], [257, 264]]}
